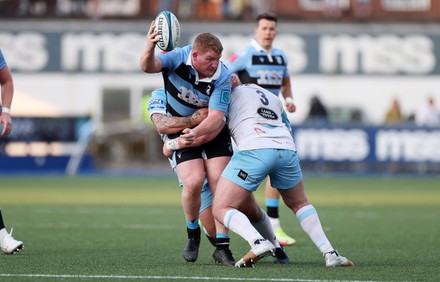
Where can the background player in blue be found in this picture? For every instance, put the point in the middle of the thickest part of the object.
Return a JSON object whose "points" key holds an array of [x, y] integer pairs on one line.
{"points": [[195, 78], [7, 243], [263, 64], [7, 92], [164, 125]]}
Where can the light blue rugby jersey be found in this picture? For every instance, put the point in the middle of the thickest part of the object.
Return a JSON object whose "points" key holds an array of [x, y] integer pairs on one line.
{"points": [[254, 65], [2, 60], [184, 93], [157, 102]]}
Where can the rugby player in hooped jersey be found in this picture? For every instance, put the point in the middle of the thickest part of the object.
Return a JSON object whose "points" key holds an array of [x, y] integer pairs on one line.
{"points": [[195, 78], [265, 65]]}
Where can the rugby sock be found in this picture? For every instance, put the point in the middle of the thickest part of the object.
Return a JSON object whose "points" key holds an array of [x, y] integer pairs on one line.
{"points": [[273, 212], [193, 229], [222, 241], [264, 227], [272, 207], [275, 222], [192, 224], [211, 240], [310, 223], [237, 222]]}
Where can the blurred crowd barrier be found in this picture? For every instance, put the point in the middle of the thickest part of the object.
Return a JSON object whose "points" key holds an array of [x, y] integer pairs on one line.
{"points": [[219, 10]]}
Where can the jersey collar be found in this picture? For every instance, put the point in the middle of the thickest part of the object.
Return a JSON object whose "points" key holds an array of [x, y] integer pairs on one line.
{"points": [[259, 48], [206, 79]]}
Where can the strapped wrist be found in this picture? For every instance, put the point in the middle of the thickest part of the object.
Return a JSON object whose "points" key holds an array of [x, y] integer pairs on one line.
{"points": [[6, 110], [173, 144]]}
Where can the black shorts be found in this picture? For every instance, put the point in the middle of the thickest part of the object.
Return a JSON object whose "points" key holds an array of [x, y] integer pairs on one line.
{"points": [[220, 146]]}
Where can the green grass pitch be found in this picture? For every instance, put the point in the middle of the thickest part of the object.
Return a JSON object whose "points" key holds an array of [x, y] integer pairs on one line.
{"points": [[132, 228]]}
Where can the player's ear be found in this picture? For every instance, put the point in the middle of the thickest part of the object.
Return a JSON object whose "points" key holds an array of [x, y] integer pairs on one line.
{"points": [[194, 55]]}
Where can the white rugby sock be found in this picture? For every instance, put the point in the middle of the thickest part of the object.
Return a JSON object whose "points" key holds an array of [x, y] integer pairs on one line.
{"points": [[275, 223], [310, 223], [264, 227], [237, 222]]}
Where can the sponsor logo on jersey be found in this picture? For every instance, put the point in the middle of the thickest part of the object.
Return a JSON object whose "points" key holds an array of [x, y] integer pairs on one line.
{"points": [[270, 77], [225, 97], [267, 113], [190, 97], [154, 102]]}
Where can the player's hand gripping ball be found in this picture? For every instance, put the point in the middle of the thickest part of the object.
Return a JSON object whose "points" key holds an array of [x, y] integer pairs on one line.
{"points": [[169, 30]]}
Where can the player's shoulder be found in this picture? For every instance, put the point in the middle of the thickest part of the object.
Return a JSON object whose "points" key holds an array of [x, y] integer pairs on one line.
{"points": [[225, 74], [158, 94]]}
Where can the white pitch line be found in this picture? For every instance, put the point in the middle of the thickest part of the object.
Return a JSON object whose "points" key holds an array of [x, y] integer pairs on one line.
{"points": [[147, 277]]}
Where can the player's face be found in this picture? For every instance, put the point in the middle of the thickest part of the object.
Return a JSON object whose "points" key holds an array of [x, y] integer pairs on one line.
{"points": [[206, 63], [265, 33]]}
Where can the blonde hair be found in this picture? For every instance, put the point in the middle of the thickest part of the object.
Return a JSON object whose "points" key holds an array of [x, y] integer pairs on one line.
{"points": [[206, 42]]}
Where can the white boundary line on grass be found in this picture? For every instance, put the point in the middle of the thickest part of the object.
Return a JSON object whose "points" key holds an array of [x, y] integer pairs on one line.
{"points": [[147, 277]]}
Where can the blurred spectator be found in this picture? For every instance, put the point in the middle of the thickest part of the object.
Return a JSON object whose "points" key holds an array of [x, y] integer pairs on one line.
{"points": [[208, 9], [331, 9], [317, 112], [394, 114], [168, 5], [428, 114], [252, 8], [259, 7], [362, 9]]}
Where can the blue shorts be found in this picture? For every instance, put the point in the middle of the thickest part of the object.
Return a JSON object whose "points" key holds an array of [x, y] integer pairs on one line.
{"points": [[250, 167]]}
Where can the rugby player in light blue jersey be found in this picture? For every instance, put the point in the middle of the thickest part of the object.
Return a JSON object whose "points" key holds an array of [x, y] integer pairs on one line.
{"points": [[7, 243], [265, 65], [195, 78]]}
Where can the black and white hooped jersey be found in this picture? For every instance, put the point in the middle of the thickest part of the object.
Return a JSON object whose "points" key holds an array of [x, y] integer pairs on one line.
{"points": [[254, 65]]}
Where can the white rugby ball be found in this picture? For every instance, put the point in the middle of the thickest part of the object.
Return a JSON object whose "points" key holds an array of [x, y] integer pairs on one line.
{"points": [[169, 30]]}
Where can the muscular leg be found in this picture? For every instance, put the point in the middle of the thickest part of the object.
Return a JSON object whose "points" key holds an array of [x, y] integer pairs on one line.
{"points": [[214, 168], [230, 198], [297, 201], [192, 175]]}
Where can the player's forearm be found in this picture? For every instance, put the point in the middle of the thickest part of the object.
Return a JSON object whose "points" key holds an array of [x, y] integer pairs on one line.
{"points": [[286, 88], [214, 120], [7, 89], [148, 62], [169, 125], [178, 143], [7, 93], [207, 137]]}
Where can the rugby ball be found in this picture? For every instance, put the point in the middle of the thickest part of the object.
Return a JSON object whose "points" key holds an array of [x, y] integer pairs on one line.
{"points": [[168, 28]]}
